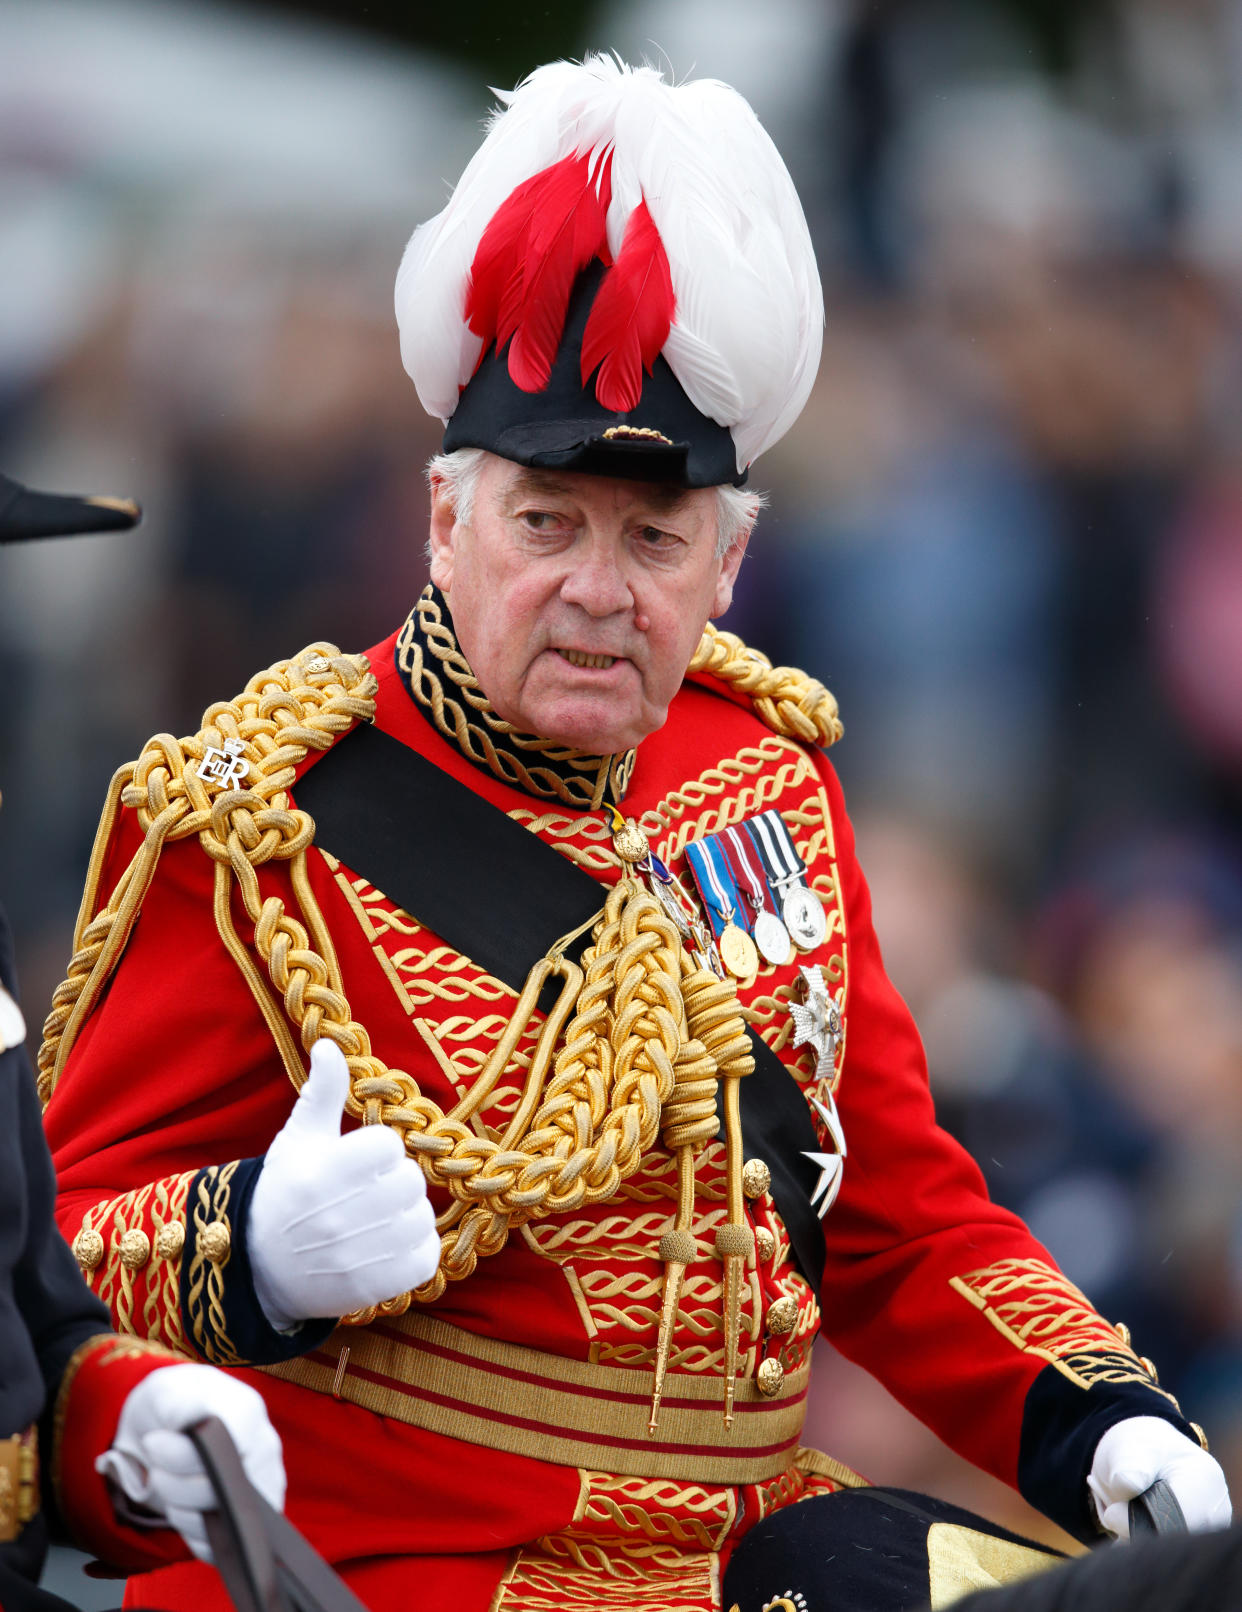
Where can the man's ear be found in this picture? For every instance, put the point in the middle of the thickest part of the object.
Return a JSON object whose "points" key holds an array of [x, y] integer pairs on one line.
{"points": [[729, 568], [441, 543]]}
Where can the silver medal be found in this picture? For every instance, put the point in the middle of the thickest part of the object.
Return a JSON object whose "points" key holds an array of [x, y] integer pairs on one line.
{"points": [[772, 938], [673, 908], [804, 916]]}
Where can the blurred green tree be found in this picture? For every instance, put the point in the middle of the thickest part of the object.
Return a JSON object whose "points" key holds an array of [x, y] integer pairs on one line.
{"points": [[1057, 27], [503, 39]]}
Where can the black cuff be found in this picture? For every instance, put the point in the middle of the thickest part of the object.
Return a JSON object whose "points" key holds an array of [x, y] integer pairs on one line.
{"points": [[1061, 1426], [223, 1316]]}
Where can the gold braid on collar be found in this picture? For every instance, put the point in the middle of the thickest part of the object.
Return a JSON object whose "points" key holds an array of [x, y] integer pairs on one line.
{"points": [[439, 677]]}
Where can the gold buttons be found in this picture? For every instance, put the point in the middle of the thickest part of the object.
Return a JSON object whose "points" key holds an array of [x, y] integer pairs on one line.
{"points": [[214, 1241], [170, 1240], [135, 1249], [782, 1315], [88, 1248], [756, 1178], [765, 1243], [769, 1377]]}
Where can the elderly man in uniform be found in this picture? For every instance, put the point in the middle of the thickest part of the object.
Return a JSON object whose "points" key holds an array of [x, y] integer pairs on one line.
{"points": [[556, 893], [89, 1421]]}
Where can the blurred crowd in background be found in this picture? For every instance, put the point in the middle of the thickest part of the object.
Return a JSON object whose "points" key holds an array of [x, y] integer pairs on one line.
{"points": [[1007, 531]]}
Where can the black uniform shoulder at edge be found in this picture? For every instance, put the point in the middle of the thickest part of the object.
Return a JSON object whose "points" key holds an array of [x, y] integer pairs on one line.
{"points": [[46, 1309]]}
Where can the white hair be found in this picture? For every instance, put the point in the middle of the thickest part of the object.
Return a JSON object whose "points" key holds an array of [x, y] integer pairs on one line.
{"points": [[737, 508]]}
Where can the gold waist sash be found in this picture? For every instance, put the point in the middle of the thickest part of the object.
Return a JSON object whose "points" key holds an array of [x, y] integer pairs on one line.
{"points": [[504, 1396]]}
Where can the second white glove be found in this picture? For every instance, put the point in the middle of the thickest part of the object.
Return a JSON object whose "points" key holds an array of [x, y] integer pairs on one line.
{"points": [[336, 1222], [1134, 1453], [157, 1466]]}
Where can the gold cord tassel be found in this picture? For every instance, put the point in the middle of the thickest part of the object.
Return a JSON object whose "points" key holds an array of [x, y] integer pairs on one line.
{"points": [[715, 1017], [687, 1123], [687, 1118], [735, 1243], [676, 1252]]}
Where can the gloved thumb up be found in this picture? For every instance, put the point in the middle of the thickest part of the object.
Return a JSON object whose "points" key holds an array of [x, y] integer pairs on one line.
{"points": [[321, 1101], [337, 1221]]}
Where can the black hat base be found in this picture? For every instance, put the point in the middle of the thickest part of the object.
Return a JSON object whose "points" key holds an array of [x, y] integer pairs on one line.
{"points": [[565, 427]]}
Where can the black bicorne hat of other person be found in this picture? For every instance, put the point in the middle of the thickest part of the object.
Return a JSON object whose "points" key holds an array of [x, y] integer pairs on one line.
{"points": [[26, 514]]}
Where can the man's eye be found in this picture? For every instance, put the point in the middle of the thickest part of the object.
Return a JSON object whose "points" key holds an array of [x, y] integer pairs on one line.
{"points": [[541, 520], [655, 538]]}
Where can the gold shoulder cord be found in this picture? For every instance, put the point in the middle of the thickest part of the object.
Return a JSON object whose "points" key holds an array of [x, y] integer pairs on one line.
{"points": [[633, 1047], [791, 703]]}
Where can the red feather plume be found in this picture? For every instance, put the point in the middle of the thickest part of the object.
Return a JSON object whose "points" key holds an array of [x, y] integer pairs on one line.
{"points": [[524, 269], [630, 317]]}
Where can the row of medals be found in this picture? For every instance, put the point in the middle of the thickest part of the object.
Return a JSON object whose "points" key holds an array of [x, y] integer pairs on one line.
{"points": [[736, 951]]}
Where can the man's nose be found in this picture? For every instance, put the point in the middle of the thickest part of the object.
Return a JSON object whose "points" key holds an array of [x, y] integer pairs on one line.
{"points": [[596, 582]]}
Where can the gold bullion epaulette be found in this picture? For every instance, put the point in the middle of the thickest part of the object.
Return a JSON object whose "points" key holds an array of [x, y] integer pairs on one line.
{"points": [[788, 701]]}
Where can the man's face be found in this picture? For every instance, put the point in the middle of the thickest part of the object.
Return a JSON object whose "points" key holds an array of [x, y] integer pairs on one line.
{"points": [[578, 600]]}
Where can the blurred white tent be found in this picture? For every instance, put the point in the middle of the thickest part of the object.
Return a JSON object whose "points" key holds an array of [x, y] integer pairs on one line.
{"points": [[165, 93], [118, 117]]}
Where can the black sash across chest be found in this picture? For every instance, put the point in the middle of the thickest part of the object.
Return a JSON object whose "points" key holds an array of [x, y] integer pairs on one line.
{"points": [[501, 896]]}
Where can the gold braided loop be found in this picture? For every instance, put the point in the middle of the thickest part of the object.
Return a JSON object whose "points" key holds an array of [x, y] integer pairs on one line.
{"points": [[689, 1117], [791, 703], [714, 1016], [293, 707]]}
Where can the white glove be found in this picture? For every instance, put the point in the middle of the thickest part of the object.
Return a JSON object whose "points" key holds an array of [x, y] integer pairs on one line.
{"points": [[157, 1466], [1134, 1453], [336, 1222]]}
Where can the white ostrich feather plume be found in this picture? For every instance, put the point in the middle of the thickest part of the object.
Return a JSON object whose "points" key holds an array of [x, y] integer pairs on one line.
{"points": [[746, 337]]}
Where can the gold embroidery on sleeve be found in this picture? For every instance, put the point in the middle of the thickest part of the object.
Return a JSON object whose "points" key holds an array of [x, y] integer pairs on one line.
{"points": [[1042, 1313]]}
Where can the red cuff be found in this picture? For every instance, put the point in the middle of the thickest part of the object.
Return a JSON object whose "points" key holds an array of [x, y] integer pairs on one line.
{"points": [[96, 1383]]}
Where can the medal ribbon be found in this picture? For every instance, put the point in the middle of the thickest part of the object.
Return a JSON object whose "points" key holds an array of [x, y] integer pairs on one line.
{"points": [[702, 855], [740, 855], [776, 849]]}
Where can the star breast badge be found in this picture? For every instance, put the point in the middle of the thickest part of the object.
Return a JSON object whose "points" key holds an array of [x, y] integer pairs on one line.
{"points": [[817, 1020], [831, 1166]]}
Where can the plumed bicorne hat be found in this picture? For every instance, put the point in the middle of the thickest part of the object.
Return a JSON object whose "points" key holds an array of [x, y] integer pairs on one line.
{"points": [[621, 283]]}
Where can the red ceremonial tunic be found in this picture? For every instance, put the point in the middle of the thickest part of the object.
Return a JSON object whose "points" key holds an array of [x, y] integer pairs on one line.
{"points": [[492, 1447]]}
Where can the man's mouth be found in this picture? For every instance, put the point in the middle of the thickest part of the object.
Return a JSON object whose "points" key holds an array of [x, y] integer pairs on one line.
{"points": [[576, 657]]}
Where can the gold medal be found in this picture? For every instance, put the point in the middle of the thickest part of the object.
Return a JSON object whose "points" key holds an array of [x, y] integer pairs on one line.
{"points": [[737, 951]]}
